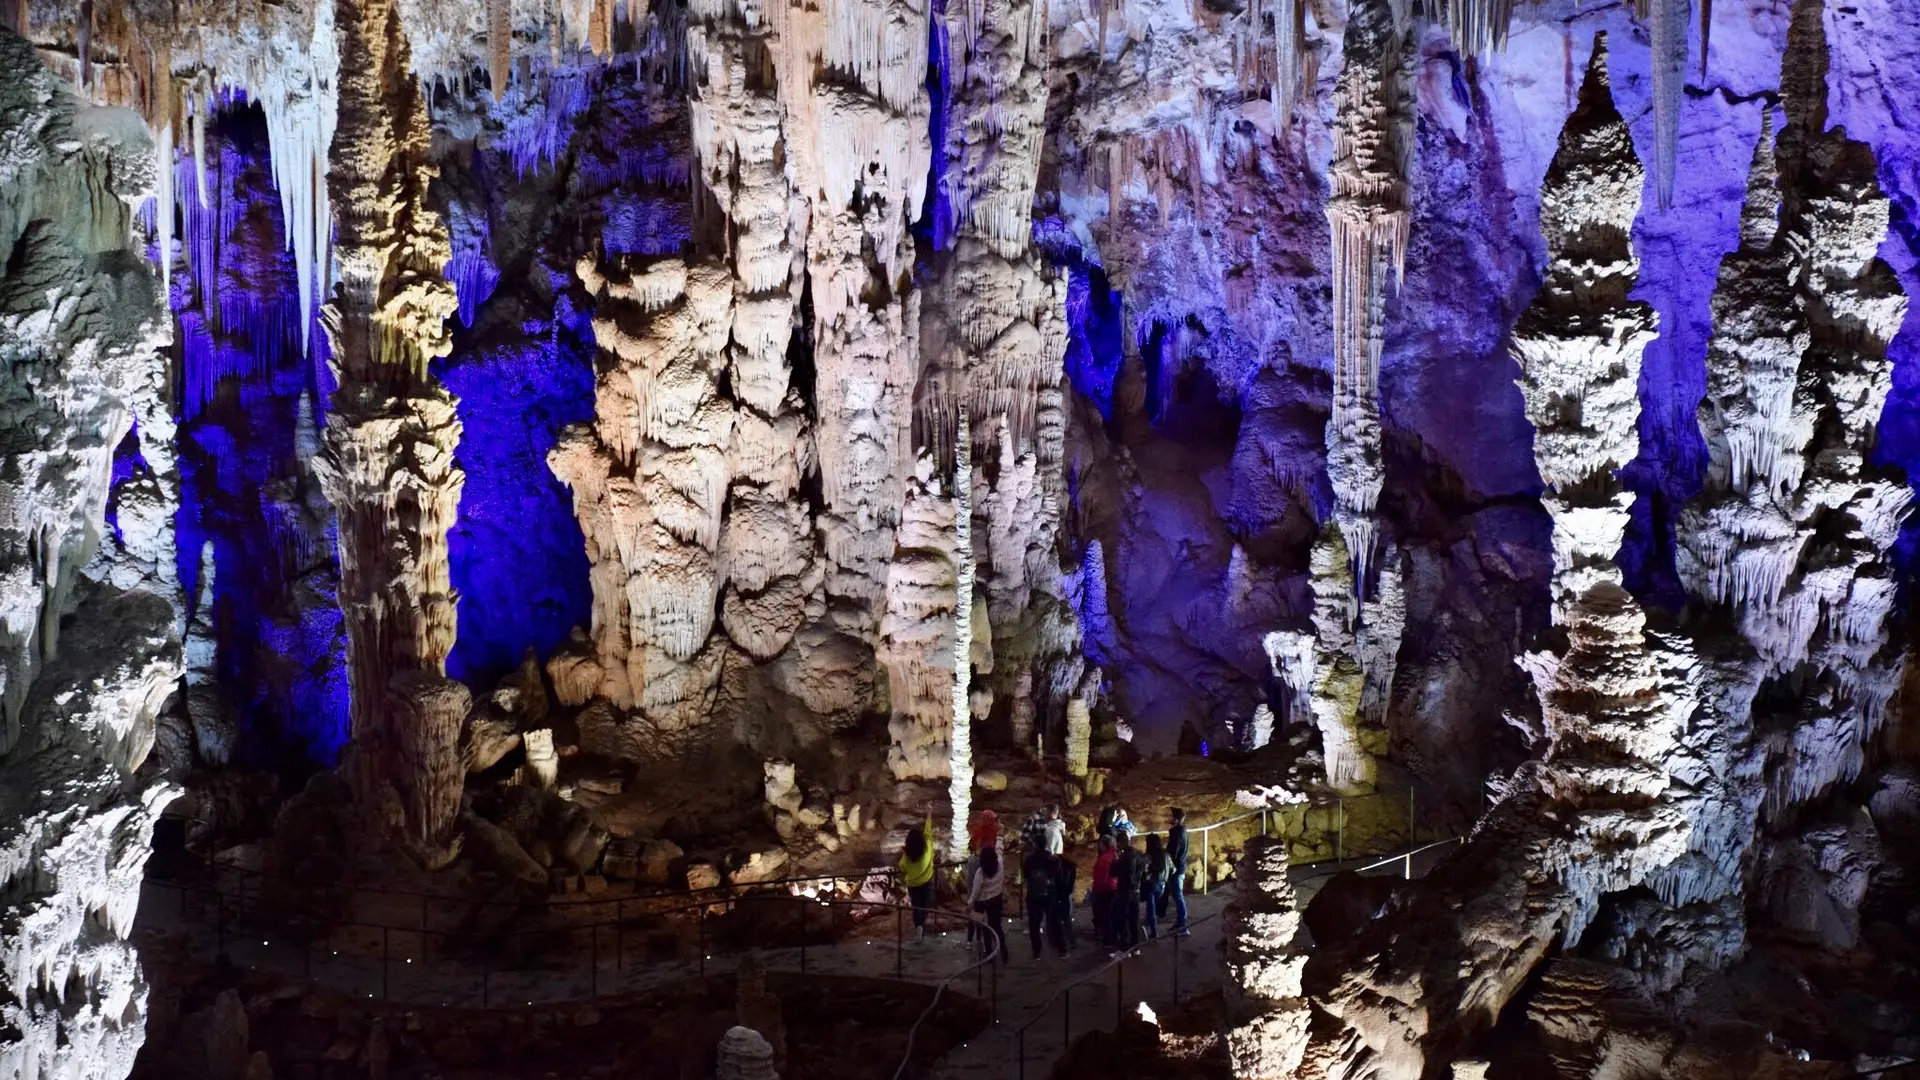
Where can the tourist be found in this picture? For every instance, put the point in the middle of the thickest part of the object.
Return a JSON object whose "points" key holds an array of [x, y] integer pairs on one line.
{"points": [[1041, 871], [1123, 827], [1108, 815], [1066, 871], [984, 832], [1176, 890], [985, 897], [1155, 887], [916, 872], [1056, 830], [1129, 876], [1100, 895]]}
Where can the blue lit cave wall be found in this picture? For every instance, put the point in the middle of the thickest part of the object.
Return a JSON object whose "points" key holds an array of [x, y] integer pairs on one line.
{"points": [[249, 401], [1197, 457], [1198, 358], [571, 158]]}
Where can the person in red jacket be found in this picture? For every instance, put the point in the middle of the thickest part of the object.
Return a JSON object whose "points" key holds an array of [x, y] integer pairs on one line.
{"points": [[1100, 896]]}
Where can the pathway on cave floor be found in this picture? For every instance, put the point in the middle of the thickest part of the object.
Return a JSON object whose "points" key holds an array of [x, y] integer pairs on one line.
{"points": [[1028, 992], [1031, 995]]}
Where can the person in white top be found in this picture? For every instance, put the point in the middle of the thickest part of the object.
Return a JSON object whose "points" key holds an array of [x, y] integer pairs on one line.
{"points": [[985, 896], [1055, 830]]}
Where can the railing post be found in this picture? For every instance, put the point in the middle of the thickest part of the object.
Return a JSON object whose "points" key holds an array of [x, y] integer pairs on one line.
{"points": [[804, 905], [593, 953], [619, 936], [1023, 1054], [1263, 822], [1339, 831], [1409, 874], [219, 920], [996, 988], [1206, 860], [1066, 1019], [384, 957], [486, 978], [703, 941], [1120, 990], [899, 943]]}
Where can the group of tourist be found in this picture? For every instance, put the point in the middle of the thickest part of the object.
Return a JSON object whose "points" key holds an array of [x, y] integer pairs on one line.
{"points": [[1124, 879]]}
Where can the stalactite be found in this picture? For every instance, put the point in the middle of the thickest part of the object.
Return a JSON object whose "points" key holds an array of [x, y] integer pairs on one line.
{"points": [[1479, 27], [1368, 213], [499, 46], [1668, 19], [83, 670]]}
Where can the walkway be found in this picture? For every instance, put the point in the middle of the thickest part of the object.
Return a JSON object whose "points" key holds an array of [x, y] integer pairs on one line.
{"points": [[1039, 1006]]}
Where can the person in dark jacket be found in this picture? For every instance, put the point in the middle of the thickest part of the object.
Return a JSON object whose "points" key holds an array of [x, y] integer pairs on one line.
{"points": [[1176, 888], [1042, 872], [1155, 887], [1100, 892], [1129, 875], [1065, 873]]}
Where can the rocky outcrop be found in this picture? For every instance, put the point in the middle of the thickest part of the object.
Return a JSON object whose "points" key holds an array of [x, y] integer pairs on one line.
{"points": [[387, 459], [84, 668]]}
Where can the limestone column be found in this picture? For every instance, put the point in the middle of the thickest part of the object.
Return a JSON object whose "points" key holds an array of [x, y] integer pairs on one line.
{"points": [[386, 461]]}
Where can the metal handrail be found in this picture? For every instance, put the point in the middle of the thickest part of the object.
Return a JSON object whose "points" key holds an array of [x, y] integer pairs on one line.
{"points": [[792, 884]]}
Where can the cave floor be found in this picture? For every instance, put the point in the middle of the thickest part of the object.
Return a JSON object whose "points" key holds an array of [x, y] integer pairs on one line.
{"points": [[1039, 1006]]}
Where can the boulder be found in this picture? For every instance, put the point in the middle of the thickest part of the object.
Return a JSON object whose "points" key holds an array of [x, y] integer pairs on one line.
{"points": [[495, 849], [621, 860], [702, 876], [490, 737], [760, 866], [657, 859], [990, 780]]}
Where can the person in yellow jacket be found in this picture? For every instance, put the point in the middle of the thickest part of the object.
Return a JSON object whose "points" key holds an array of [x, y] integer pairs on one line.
{"points": [[916, 872]]}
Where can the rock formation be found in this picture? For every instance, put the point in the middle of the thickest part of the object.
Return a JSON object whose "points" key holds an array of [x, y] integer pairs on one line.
{"points": [[85, 666], [387, 463], [1368, 214], [1591, 818], [1268, 1032]]}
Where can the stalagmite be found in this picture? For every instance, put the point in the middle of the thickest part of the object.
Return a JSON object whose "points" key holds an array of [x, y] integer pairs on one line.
{"points": [[1368, 211], [919, 632], [960, 786], [1797, 376], [766, 550], [1595, 817], [84, 668], [1268, 1018], [744, 1055], [1079, 735], [993, 328], [387, 459]]}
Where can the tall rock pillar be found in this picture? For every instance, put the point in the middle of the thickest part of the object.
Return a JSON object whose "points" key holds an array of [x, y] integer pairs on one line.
{"points": [[386, 461]]}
